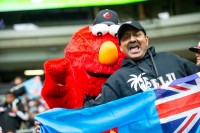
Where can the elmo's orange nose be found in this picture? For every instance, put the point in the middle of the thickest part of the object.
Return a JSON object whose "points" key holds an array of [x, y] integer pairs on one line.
{"points": [[108, 54]]}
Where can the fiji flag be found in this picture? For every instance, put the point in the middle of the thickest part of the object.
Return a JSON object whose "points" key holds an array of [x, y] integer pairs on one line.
{"points": [[172, 108], [33, 87]]}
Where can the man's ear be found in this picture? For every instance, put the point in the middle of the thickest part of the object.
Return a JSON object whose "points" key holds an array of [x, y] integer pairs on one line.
{"points": [[147, 40]]}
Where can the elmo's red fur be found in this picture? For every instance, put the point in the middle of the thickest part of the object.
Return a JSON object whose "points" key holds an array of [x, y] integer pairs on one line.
{"points": [[80, 72]]}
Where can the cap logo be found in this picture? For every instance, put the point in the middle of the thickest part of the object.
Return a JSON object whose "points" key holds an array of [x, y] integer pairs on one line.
{"points": [[107, 15], [128, 22]]}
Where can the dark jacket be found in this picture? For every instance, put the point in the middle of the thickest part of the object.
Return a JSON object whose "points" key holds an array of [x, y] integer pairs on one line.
{"points": [[9, 120], [136, 76]]}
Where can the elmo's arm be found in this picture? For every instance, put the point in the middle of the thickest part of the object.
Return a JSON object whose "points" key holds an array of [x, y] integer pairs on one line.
{"points": [[54, 84], [60, 86]]}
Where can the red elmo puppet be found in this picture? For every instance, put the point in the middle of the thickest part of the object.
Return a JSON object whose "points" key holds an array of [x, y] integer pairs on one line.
{"points": [[91, 56]]}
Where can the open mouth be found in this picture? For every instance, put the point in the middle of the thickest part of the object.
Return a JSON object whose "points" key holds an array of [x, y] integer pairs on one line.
{"points": [[133, 48], [98, 75]]}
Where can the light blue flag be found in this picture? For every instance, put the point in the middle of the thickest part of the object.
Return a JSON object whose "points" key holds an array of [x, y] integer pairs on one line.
{"points": [[138, 112], [33, 87], [172, 108]]}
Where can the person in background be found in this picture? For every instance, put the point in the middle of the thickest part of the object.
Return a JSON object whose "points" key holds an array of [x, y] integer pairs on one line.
{"points": [[143, 68], [12, 113], [196, 50], [17, 86], [36, 106]]}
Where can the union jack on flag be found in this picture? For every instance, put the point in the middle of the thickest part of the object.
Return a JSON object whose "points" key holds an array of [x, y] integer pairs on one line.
{"points": [[178, 105], [171, 108]]}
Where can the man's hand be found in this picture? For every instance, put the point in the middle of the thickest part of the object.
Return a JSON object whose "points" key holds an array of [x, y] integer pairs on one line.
{"points": [[37, 127]]}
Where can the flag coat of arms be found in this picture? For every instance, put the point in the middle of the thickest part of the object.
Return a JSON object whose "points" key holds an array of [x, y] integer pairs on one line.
{"points": [[171, 108]]}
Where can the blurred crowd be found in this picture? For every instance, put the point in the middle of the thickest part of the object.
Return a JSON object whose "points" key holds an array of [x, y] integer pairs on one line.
{"points": [[18, 110]]}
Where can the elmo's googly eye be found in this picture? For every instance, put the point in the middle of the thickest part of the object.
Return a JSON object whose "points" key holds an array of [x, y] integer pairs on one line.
{"points": [[99, 29], [113, 30]]}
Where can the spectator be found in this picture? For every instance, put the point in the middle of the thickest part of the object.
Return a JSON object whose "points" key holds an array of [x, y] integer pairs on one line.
{"points": [[2, 24], [17, 86], [35, 106], [196, 50], [12, 113]]}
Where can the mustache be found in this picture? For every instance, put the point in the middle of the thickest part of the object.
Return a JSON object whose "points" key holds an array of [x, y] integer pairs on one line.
{"points": [[132, 44]]}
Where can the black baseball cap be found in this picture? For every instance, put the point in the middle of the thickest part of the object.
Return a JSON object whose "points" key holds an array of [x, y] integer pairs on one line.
{"points": [[106, 16], [129, 24], [195, 49]]}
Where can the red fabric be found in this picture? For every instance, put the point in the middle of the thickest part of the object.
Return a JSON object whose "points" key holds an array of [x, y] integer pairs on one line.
{"points": [[113, 130], [68, 79]]}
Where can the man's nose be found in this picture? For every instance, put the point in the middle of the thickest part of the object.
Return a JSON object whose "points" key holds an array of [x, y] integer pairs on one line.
{"points": [[133, 38]]}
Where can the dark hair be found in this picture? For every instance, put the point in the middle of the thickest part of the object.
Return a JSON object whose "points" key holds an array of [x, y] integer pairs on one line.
{"points": [[11, 93]]}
